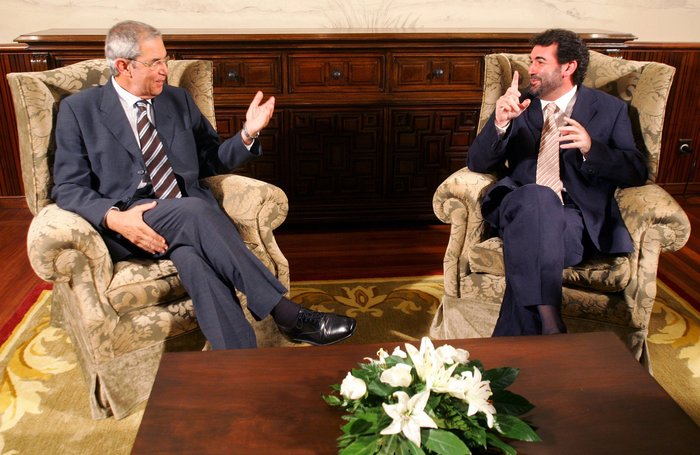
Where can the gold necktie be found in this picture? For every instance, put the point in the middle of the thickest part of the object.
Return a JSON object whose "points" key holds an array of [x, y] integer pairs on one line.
{"points": [[548, 158]]}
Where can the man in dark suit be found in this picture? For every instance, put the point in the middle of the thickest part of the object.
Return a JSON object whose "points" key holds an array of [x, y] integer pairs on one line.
{"points": [[554, 214], [139, 186]]}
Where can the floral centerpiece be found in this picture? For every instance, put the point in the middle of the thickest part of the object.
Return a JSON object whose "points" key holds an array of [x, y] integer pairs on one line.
{"points": [[429, 400]]}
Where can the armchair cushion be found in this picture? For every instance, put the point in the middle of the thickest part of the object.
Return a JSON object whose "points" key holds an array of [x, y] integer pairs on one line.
{"points": [[601, 273], [142, 283]]}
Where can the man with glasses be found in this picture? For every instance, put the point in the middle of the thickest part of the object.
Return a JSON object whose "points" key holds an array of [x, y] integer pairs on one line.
{"points": [[129, 157]]}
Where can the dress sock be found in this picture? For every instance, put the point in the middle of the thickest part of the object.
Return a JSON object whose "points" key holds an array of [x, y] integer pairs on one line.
{"points": [[285, 312], [552, 323]]}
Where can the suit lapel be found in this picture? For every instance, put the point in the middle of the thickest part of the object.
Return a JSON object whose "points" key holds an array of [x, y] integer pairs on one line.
{"points": [[115, 120], [586, 106], [165, 123]]}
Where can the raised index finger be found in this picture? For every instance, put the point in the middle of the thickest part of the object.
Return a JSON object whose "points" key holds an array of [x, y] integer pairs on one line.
{"points": [[516, 79]]}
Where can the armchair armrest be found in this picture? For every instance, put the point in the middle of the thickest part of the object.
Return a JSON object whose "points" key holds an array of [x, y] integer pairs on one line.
{"points": [[656, 223], [457, 201], [256, 208], [65, 249], [650, 207], [53, 233]]}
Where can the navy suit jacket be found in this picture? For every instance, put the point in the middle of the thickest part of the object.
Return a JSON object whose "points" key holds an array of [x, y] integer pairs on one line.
{"points": [[99, 164], [613, 161]]}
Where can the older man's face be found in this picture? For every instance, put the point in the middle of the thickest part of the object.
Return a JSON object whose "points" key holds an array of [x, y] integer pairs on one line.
{"points": [[146, 75]]}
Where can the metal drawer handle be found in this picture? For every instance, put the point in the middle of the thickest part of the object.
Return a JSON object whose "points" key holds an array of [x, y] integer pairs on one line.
{"points": [[438, 73], [234, 76], [336, 74]]}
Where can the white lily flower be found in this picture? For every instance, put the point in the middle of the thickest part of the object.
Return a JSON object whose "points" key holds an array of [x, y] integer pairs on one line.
{"points": [[353, 388], [397, 376], [408, 416], [424, 360], [477, 394], [442, 380], [449, 355]]}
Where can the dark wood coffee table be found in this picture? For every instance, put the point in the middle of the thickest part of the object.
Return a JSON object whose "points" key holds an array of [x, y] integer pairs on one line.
{"points": [[591, 397]]}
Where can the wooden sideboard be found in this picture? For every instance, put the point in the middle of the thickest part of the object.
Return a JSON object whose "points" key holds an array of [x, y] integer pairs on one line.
{"points": [[367, 123]]}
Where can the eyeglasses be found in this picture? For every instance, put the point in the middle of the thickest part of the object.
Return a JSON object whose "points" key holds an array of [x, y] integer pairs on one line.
{"points": [[155, 64]]}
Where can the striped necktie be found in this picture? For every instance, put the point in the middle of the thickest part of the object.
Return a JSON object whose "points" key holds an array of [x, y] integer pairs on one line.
{"points": [[548, 158], [159, 169]]}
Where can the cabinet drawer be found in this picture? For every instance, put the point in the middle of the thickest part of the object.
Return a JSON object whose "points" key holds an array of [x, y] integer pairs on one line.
{"points": [[249, 73], [418, 72], [336, 72]]}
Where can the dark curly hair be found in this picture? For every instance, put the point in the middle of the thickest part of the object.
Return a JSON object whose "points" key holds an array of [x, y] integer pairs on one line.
{"points": [[570, 48]]}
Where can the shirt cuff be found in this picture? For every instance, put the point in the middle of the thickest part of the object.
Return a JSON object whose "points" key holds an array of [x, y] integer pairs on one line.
{"points": [[501, 130]]}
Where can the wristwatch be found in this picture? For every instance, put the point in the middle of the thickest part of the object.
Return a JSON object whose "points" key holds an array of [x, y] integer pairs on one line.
{"points": [[248, 135]]}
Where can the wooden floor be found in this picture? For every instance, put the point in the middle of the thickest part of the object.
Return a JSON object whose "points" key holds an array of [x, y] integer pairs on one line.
{"points": [[337, 253]]}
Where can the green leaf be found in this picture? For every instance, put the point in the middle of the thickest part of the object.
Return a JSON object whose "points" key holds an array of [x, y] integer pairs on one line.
{"points": [[332, 400], [469, 366], [495, 442], [406, 447], [501, 377], [509, 403], [379, 388], [444, 443], [390, 445], [366, 445], [363, 422], [514, 428]]}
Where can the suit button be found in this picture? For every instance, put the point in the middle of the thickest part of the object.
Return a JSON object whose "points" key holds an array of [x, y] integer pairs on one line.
{"points": [[141, 172]]}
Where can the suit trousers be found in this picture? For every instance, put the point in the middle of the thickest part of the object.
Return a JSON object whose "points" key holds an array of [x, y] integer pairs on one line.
{"points": [[540, 238], [213, 262]]}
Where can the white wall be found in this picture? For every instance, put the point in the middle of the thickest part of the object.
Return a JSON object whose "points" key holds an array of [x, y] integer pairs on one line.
{"points": [[649, 20]]}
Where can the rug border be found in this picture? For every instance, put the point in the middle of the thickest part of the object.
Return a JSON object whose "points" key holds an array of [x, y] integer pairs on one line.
{"points": [[17, 332]]}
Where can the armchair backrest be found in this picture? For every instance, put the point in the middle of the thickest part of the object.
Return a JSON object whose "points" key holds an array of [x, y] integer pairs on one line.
{"points": [[36, 96], [643, 85]]}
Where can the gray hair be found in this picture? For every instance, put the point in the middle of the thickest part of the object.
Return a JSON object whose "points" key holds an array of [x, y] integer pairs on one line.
{"points": [[123, 41]]}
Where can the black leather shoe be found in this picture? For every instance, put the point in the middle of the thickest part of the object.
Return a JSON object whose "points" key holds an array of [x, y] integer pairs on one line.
{"points": [[319, 328]]}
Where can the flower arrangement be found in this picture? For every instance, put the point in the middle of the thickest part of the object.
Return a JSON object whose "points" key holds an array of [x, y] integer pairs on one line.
{"points": [[429, 400]]}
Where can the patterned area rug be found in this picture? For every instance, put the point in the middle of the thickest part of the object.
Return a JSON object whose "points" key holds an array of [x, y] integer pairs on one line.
{"points": [[43, 404]]}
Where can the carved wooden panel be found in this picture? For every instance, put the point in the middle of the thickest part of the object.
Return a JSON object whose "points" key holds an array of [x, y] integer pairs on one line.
{"points": [[269, 166], [427, 145], [335, 154]]}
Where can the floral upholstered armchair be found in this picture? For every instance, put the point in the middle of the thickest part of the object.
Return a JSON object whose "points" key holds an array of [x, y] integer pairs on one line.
{"points": [[122, 316], [604, 293]]}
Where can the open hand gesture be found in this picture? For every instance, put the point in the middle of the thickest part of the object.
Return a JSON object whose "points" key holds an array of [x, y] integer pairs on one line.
{"points": [[258, 115], [509, 106]]}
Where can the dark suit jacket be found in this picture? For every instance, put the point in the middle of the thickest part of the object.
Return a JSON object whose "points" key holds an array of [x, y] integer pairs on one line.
{"points": [[612, 162], [99, 164]]}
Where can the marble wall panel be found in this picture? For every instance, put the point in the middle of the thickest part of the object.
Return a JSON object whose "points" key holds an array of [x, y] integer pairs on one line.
{"points": [[649, 20]]}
